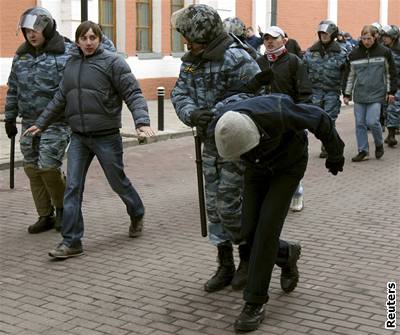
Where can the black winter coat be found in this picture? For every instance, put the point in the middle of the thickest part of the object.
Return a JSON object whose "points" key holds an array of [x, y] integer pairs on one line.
{"points": [[92, 91]]}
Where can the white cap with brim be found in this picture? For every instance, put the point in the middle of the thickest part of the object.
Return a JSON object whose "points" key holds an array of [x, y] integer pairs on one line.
{"points": [[235, 134], [274, 31]]}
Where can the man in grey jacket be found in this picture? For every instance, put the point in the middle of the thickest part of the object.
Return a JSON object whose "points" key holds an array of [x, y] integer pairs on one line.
{"points": [[91, 93]]}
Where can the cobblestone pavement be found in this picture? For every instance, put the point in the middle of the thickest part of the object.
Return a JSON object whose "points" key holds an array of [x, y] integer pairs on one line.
{"points": [[349, 230]]}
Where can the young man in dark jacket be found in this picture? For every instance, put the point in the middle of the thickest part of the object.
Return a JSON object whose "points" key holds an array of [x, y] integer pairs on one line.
{"points": [[371, 79], [91, 93], [267, 133], [289, 77]]}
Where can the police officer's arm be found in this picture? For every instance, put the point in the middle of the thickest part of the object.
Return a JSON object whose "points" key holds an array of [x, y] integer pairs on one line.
{"points": [[184, 105], [11, 106], [316, 120], [54, 110]]}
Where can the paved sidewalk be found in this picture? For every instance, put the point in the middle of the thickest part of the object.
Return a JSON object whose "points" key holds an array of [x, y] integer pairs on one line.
{"points": [[173, 128], [349, 231]]}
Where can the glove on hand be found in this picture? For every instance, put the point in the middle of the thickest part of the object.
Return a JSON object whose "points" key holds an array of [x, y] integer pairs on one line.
{"points": [[259, 80], [334, 166], [201, 117], [265, 77], [11, 128]]}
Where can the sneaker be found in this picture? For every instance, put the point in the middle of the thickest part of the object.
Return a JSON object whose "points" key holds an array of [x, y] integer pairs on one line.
{"points": [[62, 251], [290, 272], [136, 227], [250, 317], [44, 223], [297, 203], [361, 156], [379, 151]]}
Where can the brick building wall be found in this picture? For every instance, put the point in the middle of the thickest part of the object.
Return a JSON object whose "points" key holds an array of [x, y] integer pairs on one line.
{"points": [[244, 10], [353, 16], [394, 12], [300, 19]]}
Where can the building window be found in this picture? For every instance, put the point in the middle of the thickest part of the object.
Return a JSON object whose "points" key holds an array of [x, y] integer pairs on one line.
{"points": [[107, 18], [143, 26], [176, 39]]}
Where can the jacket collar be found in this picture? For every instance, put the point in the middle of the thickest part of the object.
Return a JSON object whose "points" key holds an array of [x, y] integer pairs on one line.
{"points": [[331, 47], [214, 51], [55, 45]]}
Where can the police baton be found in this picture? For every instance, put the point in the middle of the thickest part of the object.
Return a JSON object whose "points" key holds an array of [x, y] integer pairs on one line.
{"points": [[200, 184], [12, 160]]}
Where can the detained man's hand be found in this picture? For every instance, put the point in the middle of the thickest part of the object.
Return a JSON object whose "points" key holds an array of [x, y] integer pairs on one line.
{"points": [[32, 131], [145, 131]]}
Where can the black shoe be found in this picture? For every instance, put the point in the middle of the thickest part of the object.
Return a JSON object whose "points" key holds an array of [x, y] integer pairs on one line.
{"points": [[226, 269], [290, 272], [379, 151], [44, 223], [250, 317], [136, 227], [361, 156]]}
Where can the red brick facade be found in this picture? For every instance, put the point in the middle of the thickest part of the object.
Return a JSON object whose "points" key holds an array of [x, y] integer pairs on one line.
{"points": [[299, 18]]}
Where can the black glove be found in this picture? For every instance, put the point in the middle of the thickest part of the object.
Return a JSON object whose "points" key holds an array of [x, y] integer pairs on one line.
{"points": [[201, 118], [334, 166], [11, 128], [260, 79]]}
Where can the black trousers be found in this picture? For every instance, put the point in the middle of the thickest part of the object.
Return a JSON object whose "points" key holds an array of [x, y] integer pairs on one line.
{"points": [[266, 202]]}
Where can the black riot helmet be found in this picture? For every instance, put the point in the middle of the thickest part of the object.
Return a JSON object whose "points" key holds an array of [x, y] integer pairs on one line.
{"points": [[392, 31], [198, 23], [38, 19], [329, 27]]}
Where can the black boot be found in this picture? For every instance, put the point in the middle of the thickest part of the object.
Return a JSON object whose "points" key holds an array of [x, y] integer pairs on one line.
{"points": [[290, 272], [58, 218], [240, 279], [43, 224], [225, 271], [390, 139], [250, 317]]}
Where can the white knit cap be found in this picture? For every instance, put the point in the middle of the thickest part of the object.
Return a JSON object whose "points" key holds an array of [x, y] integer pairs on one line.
{"points": [[235, 134]]}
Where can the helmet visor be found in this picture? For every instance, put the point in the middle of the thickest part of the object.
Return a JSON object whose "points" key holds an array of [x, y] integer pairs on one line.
{"points": [[324, 27], [34, 22]]}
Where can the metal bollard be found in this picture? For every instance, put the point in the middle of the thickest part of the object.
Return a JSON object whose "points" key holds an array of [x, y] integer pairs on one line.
{"points": [[160, 95]]}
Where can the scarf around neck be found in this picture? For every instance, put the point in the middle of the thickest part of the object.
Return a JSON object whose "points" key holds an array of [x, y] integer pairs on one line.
{"points": [[273, 55]]}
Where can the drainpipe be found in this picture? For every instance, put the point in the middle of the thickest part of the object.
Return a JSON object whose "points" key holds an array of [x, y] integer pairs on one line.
{"points": [[84, 10], [274, 7]]}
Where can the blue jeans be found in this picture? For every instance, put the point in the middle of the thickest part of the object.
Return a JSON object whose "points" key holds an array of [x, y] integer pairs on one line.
{"points": [[367, 115], [108, 150]]}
